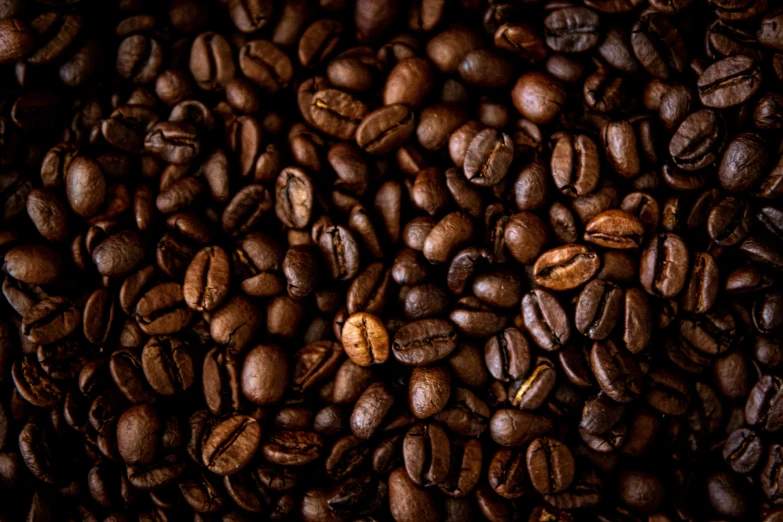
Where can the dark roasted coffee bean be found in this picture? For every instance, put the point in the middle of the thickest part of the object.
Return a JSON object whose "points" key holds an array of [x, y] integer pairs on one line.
{"points": [[743, 450], [550, 464], [292, 448], [598, 309], [663, 267], [575, 165], [531, 392], [617, 373], [658, 45], [426, 454], [371, 408], [488, 158], [572, 29], [763, 407], [515, 428], [545, 320], [507, 355], [231, 444], [729, 82], [698, 140], [423, 342]]}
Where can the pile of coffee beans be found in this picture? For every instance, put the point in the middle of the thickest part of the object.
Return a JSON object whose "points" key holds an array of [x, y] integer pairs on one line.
{"points": [[391, 260]]}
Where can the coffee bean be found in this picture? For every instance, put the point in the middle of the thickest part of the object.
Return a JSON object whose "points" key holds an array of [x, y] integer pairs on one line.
{"points": [[337, 113], [598, 309], [729, 82], [507, 355], [743, 450], [426, 453], [566, 267], [167, 365], [531, 392], [617, 373], [263, 63], [539, 97], [698, 140], [614, 229], [550, 464], [515, 428], [488, 158], [138, 431], [50, 320], [365, 339], [423, 342], [545, 319], [231, 444], [162, 310], [211, 61], [318, 41], [658, 45], [370, 409], [762, 405], [385, 129], [408, 502], [428, 391], [572, 29], [292, 448], [663, 266], [575, 165]]}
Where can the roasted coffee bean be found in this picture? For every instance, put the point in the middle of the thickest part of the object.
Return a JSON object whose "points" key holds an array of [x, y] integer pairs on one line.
{"points": [[751, 148], [615, 229], [167, 365], [426, 453], [729, 82], [385, 129], [507, 355], [365, 339], [663, 267], [337, 113], [292, 448], [598, 309], [231, 444], [50, 320], [370, 410], [162, 310], [531, 392], [572, 29], [566, 267], [488, 158], [263, 63], [575, 165], [545, 320], [743, 450], [763, 405], [540, 97], [550, 464], [264, 374], [515, 428], [658, 45], [424, 342], [668, 392], [207, 279], [698, 140], [211, 61], [408, 502], [428, 390], [617, 373]]}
